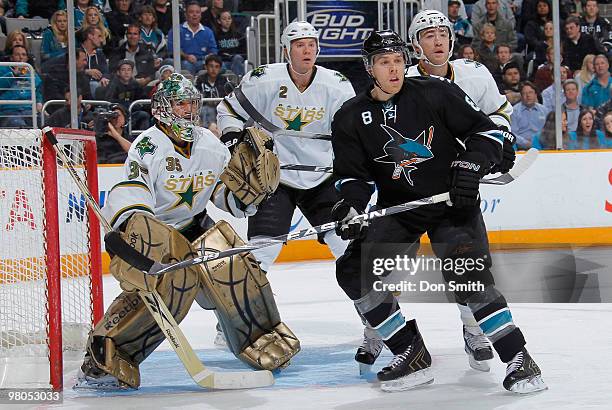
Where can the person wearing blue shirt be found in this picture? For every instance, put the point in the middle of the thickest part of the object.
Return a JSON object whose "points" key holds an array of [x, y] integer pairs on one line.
{"points": [[15, 83], [55, 37], [197, 41], [528, 116], [597, 92], [586, 135]]}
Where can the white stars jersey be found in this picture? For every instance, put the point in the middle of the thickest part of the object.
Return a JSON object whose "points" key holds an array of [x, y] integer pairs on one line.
{"points": [[172, 183], [271, 91], [478, 83]]}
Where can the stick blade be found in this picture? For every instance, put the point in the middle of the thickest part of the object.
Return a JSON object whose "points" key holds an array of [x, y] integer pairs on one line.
{"points": [[517, 170], [240, 380]]}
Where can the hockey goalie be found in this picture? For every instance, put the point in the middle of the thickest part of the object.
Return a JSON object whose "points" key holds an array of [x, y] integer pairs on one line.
{"points": [[172, 171]]}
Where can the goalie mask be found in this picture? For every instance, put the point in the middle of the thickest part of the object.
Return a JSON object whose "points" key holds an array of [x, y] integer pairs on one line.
{"points": [[176, 103], [424, 20]]}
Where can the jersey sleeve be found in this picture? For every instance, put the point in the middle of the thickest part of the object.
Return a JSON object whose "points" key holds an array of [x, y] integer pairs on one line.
{"points": [[355, 183], [492, 103], [135, 193], [230, 113], [464, 119]]}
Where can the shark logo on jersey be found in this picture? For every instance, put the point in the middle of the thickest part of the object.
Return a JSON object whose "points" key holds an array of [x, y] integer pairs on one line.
{"points": [[405, 153], [145, 146]]}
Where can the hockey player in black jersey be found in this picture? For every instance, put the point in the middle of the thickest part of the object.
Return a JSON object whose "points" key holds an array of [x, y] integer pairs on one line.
{"points": [[413, 138]]}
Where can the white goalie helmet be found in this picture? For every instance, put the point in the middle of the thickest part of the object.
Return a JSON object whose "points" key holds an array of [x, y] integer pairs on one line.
{"points": [[175, 89], [296, 31], [429, 19]]}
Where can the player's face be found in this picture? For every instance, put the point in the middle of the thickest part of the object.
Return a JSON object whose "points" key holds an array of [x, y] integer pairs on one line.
{"points": [[435, 44], [303, 54], [388, 69], [185, 109]]}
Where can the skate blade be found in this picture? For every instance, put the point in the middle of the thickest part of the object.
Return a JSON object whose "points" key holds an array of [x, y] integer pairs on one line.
{"points": [[481, 366], [365, 369], [529, 386], [411, 381], [220, 341], [89, 385]]}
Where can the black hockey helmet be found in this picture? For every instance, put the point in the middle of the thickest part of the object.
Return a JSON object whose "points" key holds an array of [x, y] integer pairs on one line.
{"points": [[380, 42]]}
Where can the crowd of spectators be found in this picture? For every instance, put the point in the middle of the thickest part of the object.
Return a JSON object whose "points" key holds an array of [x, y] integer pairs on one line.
{"points": [[124, 48]]}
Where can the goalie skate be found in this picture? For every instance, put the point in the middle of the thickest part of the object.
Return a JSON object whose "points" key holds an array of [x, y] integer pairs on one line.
{"points": [[368, 352], [104, 382], [523, 375], [220, 341], [478, 348]]}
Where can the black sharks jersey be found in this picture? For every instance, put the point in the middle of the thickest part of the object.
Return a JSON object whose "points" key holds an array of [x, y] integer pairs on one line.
{"points": [[405, 145]]}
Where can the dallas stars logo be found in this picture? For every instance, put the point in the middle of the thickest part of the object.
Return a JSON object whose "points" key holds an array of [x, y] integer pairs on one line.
{"points": [[405, 153], [186, 197], [145, 146], [259, 71], [341, 76], [296, 122]]}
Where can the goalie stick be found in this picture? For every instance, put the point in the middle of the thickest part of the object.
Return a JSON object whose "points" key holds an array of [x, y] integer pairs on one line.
{"points": [[518, 169], [200, 374]]}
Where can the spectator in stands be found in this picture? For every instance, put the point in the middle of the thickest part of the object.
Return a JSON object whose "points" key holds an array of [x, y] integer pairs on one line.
{"points": [[542, 46], [16, 38], [38, 8], [61, 117], [55, 37], [197, 41], [547, 138], [528, 116], [486, 50], [543, 75], [212, 85], [114, 143], [162, 74], [57, 76], [505, 7], [118, 21], [163, 15], [15, 84], [124, 89], [597, 92], [598, 27], [577, 45], [548, 94], [145, 62], [231, 44], [504, 55], [572, 7], [464, 33], [504, 28], [79, 12], [607, 128], [571, 107], [97, 66], [210, 15], [534, 29], [150, 35], [468, 52], [511, 79], [587, 136], [586, 72], [94, 18]]}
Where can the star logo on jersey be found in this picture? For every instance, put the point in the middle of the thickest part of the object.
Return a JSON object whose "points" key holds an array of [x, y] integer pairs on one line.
{"points": [[145, 146], [405, 153], [259, 71], [186, 197], [341, 76], [296, 123]]}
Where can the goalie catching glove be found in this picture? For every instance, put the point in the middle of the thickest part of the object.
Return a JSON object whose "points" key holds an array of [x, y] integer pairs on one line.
{"points": [[253, 172]]}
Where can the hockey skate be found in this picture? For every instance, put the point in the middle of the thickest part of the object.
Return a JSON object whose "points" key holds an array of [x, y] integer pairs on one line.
{"points": [[90, 377], [477, 347], [523, 374], [369, 350], [408, 369], [220, 338]]}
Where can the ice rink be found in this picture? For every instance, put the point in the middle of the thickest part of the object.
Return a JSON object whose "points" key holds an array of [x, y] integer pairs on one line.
{"points": [[572, 343]]}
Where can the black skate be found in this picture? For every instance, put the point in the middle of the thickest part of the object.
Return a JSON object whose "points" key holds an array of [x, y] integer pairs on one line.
{"points": [[523, 374], [369, 350], [477, 347], [408, 369]]}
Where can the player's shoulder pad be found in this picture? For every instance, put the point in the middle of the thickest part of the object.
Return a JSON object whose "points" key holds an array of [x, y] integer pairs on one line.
{"points": [[331, 77], [210, 141], [266, 72]]}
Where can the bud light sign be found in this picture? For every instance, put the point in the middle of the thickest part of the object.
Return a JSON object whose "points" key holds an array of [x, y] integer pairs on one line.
{"points": [[342, 25]]}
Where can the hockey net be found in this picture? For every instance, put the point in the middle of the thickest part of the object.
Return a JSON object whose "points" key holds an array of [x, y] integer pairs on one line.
{"points": [[50, 267]]}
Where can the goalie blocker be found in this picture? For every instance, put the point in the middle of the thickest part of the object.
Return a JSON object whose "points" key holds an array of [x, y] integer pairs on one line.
{"points": [[234, 287]]}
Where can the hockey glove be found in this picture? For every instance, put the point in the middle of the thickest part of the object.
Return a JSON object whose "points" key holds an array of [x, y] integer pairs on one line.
{"points": [[508, 155], [231, 139], [344, 213], [466, 172]]}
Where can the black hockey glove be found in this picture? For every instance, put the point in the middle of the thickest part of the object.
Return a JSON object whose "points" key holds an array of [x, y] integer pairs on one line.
{"points": [[348, 229], [232, 139], [508, 155], [466, 172]]}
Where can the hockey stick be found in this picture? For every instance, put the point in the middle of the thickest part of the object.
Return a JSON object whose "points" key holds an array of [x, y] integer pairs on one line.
{"points": [[518, 169], [201, 375], [503, 179]]}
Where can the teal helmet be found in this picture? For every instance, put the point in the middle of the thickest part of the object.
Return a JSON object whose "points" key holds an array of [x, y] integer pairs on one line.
{"points": [[177, 89]]}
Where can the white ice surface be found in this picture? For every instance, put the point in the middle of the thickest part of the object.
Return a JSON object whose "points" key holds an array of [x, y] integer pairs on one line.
{"points": [[570, 342]]}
